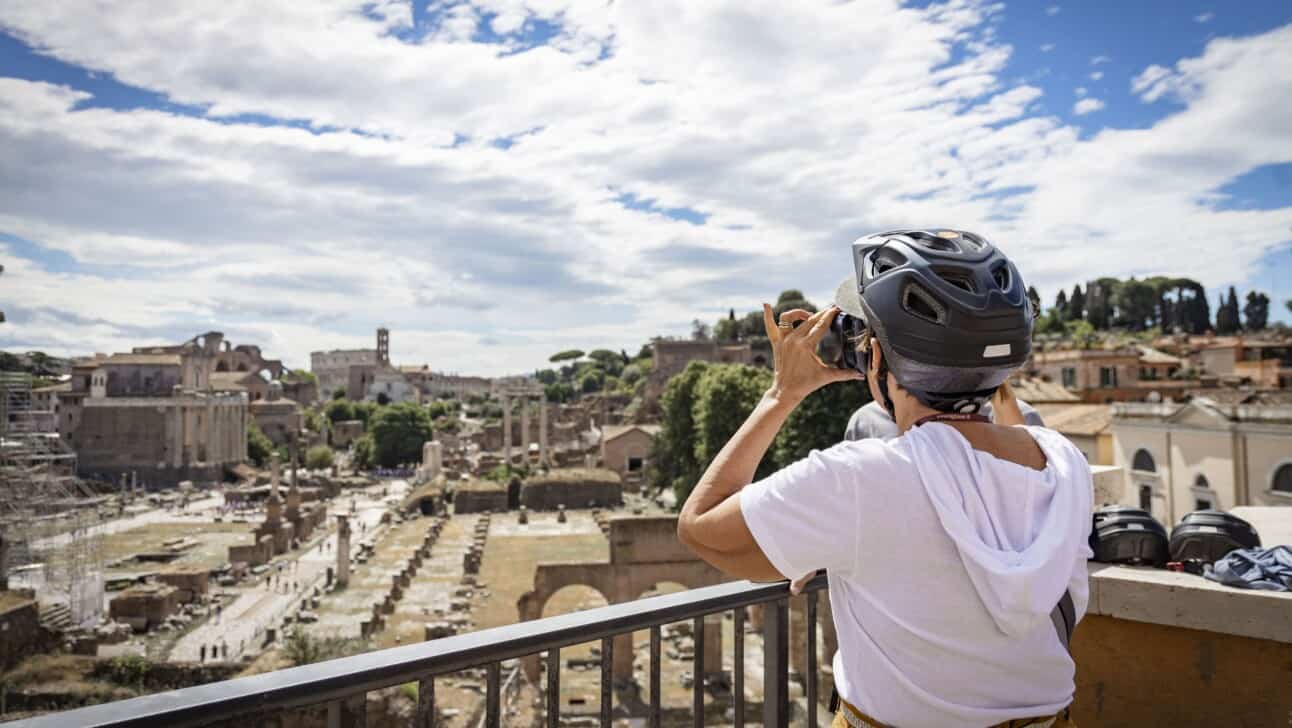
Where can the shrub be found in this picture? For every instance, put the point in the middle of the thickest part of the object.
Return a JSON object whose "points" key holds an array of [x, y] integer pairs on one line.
{"points": [[319, 457]]}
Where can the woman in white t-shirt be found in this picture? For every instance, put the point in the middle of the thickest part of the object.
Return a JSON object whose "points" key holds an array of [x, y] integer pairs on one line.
{"points": [[949, 546]]}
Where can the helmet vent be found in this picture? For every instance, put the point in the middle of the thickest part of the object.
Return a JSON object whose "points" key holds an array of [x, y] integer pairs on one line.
{"points": [[933, 242], [958, 279], [887, 259], [1000, 274], [921, 303]]}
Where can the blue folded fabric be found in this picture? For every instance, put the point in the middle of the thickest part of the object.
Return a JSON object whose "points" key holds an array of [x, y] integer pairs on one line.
{"points": [[1268, 569]]}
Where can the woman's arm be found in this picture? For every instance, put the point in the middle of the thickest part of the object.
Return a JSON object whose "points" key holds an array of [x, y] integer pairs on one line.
{"points": [[711, 523]]}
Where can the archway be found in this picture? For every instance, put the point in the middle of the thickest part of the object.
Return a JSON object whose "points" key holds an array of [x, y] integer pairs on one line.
{"points": [[513, 494], [221, 366], [580, 664]]}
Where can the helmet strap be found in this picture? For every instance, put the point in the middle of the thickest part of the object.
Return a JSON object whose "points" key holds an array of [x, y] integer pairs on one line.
{"points": [[883, 387]]}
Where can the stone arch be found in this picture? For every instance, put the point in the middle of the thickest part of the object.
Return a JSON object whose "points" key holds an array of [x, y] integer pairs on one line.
{"points": [[242, 366], [221, 366]]}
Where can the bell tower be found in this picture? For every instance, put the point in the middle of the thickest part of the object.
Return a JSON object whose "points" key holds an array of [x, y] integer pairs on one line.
{"points": [[383, 346]]}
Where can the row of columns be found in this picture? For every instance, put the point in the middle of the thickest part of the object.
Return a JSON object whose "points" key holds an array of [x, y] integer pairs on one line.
{"points": [[524, 428]]}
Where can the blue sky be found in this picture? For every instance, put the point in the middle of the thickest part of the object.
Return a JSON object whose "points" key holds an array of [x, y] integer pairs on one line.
{"points": [[499, 179]]}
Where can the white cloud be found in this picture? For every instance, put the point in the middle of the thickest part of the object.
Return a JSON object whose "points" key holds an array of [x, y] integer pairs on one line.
{"points": [[1047, 47], [1204, 17], [1080, 91], [1086, 106], [1053, 10], [1096, 60], [789, 126], [1095, 76]]}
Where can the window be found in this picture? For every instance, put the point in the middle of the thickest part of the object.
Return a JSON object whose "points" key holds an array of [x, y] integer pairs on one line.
{"points": [[1069, 375], [1282, 481], [634, 464], [1143, 461], [1107, 376], [1202, 504], [1146, 498]]}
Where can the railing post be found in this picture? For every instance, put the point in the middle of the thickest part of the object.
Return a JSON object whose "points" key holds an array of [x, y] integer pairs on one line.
{"points": [[493, 699], [554, 687], [351, 712], [738, 668], [776, 663], [426, 702], [653, 720], [607, 679], [697, 685]]}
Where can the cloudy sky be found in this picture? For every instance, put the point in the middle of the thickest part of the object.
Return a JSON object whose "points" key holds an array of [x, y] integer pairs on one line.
{"points": [[497, 180]]}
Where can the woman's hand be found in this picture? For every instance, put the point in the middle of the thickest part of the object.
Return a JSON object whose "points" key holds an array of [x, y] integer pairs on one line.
{"points": [[799, 371], [1004, 407]]}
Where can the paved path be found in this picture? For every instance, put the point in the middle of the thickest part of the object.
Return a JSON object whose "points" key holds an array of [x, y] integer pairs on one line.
{"points": [[257, 606]]}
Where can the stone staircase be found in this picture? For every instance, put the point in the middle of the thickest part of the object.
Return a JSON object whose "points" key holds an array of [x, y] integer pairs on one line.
{"points": [[55, 617]]}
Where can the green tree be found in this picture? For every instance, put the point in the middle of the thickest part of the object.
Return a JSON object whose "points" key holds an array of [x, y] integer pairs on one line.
{"points": [[338, 393], [607, 361], [558, 392], [319, 457], [1076, 304], [592, 381], [547, 376], [631, 374], [1061, 305], [1227, 320], [724, 397], [1136, 303], [819, 421], [788, 301], [1256, 312], [302, 648], [673, 452], [727, 329], [365, 453], [752, 327], [699, 330], [259, 446], [1100, 295], [398, 433], [567, 355], [339, 410], [1082, 334]]}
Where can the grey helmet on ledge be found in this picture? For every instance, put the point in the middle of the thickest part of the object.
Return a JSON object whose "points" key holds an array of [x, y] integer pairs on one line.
{"points": [[950, 311]]}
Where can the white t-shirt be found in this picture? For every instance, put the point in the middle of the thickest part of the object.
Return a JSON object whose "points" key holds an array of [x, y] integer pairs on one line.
{"points": [[944, 565]]}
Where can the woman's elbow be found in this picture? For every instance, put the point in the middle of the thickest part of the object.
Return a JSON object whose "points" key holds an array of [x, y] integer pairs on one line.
{"points": [[686, 530]]}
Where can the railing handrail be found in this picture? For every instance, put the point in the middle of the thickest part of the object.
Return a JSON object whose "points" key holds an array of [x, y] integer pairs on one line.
{"points": [[322, 682]]}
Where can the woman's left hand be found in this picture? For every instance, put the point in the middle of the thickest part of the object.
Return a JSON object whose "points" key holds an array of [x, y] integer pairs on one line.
{"points": [[799, 371]]}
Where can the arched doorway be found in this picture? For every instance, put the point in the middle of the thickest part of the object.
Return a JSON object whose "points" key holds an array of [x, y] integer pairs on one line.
{"points": [[1148, 484], [580, 664], [513, 494], [1143, 461]]}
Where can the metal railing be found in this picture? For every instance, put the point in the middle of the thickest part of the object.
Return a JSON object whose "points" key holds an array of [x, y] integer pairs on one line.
{"points": [[342, 684]]}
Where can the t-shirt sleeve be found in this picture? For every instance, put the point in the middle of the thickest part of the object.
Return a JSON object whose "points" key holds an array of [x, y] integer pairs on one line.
{"points": [[805, 516]]}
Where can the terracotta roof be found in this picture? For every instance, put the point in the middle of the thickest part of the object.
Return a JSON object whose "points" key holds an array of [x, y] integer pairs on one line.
{"points": [[1149, 355], [1035, 389], [1076, 419], [611, 432]]}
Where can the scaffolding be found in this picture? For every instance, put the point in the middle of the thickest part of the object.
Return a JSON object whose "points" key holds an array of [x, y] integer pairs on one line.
{"points": [[50, 531]]}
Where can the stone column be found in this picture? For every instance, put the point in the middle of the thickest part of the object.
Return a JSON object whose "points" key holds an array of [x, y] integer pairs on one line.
{"points": [[342, 551], [275, 472], [542, 430], [506, 429], [524, 428]]}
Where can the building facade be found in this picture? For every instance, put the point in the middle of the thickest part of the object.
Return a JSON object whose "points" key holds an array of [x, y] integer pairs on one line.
{"points": [[1126, 373], [155, 415], [1179, 458]]}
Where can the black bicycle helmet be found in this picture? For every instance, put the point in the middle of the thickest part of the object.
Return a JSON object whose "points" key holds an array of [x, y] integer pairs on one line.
{"points": [[949, 309]]}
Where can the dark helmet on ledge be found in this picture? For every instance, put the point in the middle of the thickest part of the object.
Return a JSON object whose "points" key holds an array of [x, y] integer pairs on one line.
{"points": [[950, 311]]}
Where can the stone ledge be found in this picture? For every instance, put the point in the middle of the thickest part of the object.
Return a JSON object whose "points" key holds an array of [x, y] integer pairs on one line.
{"points": [[1175, 599]]}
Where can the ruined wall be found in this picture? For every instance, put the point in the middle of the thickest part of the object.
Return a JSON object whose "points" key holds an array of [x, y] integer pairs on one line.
{"points": [[479, 501], [20, 631], [547, 495], [142, 380], [114, 439], [191, 583]]}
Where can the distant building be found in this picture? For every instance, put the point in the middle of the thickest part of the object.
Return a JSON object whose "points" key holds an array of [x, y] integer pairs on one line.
{"points": [[1206, 453], [155, 414], [625, 448], [1088, 426], [1260, 363], [1125, 373], [332, 368], [670, 357], [45, 406]]}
